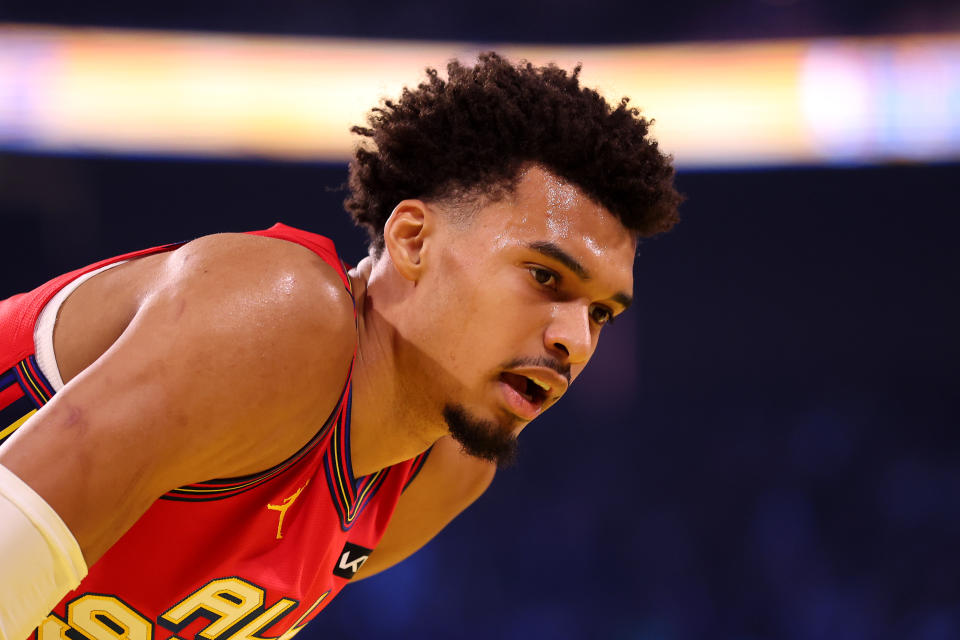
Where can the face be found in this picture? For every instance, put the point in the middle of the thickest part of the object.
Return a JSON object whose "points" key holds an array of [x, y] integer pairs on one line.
{"points": [[510, 303]]}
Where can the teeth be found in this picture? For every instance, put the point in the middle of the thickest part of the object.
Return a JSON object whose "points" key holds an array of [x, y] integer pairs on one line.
{"points": [[543, 385]]}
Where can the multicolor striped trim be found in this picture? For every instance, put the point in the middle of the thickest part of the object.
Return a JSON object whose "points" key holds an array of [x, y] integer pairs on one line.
{"points": [[415, 467], [349, 494], [228, 487], [23, 390]]}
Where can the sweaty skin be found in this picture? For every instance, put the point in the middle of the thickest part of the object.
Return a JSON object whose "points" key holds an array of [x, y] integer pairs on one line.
{"points": [[132, 423], [448, 305], [451, 300], [443, 312]]}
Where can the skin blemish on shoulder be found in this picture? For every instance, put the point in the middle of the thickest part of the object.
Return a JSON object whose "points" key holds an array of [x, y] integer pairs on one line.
{"points": [[71, 417], [181, 307], [73, 414]]}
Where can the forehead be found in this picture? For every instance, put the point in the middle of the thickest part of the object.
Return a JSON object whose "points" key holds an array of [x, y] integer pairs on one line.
{"points": [[546, 209]]}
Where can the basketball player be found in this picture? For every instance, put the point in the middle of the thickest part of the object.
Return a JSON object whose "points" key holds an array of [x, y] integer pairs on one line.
{"points": [[212, 439]]}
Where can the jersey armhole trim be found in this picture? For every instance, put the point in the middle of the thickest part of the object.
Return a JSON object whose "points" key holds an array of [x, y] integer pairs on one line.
{"points": [[416, 466], [46, 323], [23, 390], [222, 488]]}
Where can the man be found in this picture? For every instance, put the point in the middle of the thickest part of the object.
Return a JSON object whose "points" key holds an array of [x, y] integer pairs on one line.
{"points": [[504, 207]]}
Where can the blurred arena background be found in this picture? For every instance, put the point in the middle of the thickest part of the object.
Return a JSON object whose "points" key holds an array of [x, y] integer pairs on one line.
{"points": [[766, 446]]}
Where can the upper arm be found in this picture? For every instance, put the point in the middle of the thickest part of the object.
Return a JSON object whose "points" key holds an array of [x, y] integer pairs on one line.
{"points": [[448, 483], [215, 376]]}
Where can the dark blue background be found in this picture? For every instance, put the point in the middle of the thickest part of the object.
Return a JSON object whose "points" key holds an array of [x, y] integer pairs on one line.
{"points": [[764, 446]]}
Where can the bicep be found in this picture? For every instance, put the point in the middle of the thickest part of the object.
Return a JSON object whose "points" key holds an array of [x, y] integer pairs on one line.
{"points": [[182, 396], [448, 483], [93, 452]]}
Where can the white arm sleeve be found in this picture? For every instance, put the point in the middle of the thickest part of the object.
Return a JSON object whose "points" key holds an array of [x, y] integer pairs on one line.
{"points": [[40, 560]]}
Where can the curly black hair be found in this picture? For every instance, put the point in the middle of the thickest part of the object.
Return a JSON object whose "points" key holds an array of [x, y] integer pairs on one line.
{"points": [[474, 132]]}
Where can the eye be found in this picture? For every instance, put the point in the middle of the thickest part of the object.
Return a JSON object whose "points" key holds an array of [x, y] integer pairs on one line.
{"points": [[601, 315], [544, 277]]}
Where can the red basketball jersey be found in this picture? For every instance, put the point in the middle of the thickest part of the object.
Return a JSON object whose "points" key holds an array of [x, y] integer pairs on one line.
{"points": [[229, 559]]}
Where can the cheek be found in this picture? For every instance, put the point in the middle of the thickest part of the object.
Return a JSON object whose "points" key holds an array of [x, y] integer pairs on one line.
{"points": [[459, 319], [483, 316]]}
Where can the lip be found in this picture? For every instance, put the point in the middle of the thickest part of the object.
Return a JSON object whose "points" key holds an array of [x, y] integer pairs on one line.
{"points": [[557, 383], [518, 405]]}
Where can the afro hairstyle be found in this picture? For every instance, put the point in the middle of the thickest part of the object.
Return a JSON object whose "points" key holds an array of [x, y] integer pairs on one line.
{"points": [[472, 134]]}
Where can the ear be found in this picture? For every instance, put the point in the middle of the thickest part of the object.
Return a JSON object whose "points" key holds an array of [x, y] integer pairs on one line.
{"points": [[405, 234]]}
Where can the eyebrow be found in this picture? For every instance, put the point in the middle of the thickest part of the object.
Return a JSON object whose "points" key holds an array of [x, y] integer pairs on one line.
{"points": [[551, 250]]}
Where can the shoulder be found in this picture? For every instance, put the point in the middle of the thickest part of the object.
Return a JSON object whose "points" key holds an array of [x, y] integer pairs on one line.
{"points": [[236, 353], [249, 278], [270, 308], [265, 289], [252, 337], [257, 262]]}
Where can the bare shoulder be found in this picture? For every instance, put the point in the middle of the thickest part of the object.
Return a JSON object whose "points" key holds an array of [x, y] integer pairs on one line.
{"points": [[235, 353], [270, 317], [236, 274], [272, 295], [267, 273]]}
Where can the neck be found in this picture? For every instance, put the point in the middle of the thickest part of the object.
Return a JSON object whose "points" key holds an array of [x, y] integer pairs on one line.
{"points": [[388, 423]]}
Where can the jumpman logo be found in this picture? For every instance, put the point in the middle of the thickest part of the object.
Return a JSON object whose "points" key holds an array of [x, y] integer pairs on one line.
{"points": [[282, 508]]}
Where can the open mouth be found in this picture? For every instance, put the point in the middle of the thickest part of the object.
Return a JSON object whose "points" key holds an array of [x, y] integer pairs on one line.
{"points": [[526, 387]]}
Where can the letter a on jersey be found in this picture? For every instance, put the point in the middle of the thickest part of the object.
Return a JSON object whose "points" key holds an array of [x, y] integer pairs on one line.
{"points": [[351, 559]]}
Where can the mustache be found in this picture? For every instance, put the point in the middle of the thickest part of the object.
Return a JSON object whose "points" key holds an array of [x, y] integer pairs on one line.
{"points": [[541, 361]]}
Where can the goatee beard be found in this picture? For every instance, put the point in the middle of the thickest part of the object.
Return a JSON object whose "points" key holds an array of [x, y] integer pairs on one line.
{"points": [[481, 438]]}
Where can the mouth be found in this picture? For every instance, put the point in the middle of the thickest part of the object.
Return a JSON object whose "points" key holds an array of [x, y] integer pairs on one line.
{"points": [[525, 396]]}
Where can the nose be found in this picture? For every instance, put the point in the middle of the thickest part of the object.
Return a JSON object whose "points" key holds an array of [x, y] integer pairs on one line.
{"points": [[568, 335]]}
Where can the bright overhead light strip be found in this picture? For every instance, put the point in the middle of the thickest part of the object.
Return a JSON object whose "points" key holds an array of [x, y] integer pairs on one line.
{"points": [[726, 104]]}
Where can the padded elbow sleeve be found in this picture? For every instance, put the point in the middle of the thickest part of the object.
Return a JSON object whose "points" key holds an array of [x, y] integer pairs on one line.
{"points": [[40, 560]]}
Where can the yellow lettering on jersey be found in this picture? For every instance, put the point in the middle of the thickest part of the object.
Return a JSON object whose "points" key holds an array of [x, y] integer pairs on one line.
{"points": [[53, 628], [299, 624], [229, 600], [268, 617], [107, 618], [282, 508]]}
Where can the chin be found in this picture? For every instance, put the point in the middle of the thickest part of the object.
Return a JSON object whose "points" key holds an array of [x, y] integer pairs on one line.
{"points": [[480, 438]]}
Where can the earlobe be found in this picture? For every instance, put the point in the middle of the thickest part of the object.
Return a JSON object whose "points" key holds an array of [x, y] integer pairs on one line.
{"points": [[405, 234]]}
